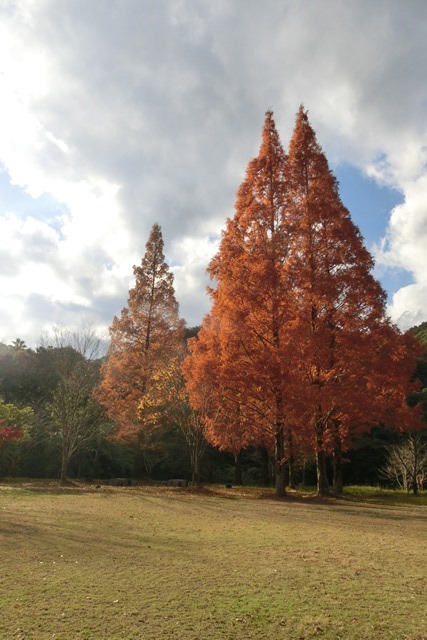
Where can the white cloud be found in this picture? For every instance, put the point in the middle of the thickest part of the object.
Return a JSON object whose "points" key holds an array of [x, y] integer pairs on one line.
{"points": [[129, 113], [189, 258], [405, 247]]}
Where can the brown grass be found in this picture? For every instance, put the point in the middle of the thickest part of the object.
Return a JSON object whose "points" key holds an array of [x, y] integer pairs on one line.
{"points": [[158, 563]]}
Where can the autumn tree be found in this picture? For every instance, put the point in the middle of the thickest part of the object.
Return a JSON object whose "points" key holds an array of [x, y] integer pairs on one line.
{"points": [[191, 422], [297, 346], [145, 351], [216, 405], [353, 365], [242, 349]]}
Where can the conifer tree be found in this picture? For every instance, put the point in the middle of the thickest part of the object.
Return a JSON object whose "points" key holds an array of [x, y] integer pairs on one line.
{"points": [[145, 350], [347, 347], [297, 349], [242, 348]]}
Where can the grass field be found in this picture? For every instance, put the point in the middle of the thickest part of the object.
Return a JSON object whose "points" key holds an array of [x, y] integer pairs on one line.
{"points": [[145, 563]]}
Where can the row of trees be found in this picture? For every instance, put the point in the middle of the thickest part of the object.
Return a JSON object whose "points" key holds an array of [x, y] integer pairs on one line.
{"points": [[52, 425], [297, 350], [48, 395], [33, 442], [297, 354], [295, 362]]}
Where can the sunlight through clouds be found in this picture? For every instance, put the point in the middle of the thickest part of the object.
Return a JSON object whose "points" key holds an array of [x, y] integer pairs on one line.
{"points": [[127, 113]]}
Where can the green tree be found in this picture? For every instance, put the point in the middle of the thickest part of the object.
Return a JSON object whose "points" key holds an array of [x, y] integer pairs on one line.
{"points": [[420, 373], [16, 419], [73, 416], [15, 426]]}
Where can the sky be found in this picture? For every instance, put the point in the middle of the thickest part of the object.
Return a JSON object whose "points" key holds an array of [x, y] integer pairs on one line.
{"points": [[116, 114]]}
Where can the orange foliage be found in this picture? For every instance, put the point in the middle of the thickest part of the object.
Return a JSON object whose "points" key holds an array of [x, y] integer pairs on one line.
{"points": [[297, 347], [243, 347], [146, 345], [349, 355]]}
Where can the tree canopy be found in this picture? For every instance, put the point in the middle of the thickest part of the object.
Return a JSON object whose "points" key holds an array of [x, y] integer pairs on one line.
{"points": [[292, 367], [145, 350], [297, 348]]}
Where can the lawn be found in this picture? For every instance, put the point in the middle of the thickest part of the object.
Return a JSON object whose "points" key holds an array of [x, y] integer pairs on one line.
{"points": [[160, 564]]}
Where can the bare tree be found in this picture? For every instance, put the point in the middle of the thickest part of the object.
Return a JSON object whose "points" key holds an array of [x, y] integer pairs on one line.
{"points": [[407, 463], [84, 341], [191, 423], [74, 417]]}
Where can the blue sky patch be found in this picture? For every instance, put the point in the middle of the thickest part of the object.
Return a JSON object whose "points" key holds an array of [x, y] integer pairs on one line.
{"points": [[369, 203]]}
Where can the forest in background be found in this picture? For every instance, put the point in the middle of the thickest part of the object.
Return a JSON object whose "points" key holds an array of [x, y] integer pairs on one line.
{"points": [[30, 378], [295, 376]]}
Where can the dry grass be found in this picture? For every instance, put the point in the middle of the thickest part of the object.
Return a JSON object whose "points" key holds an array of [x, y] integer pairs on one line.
{"points": [[144, 563]]}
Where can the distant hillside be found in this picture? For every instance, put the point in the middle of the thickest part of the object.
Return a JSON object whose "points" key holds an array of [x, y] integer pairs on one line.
{"points": [[421, 332]]}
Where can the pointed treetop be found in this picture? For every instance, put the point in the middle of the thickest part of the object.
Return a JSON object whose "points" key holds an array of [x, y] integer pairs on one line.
{"points": [[270, 136], [154, 280], [303, 133], [302, 116], [260, 197], [330, 236], [154, 255], [155, 239]]}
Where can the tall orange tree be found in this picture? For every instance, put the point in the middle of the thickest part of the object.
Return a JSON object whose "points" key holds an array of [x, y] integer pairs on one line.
{"points": [[145, 350], [347, 349], [297, 349], [243, 346]]}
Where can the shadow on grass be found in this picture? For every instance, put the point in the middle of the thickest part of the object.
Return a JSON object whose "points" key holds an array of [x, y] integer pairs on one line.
{"points": [[11, 529], [363, 496]]}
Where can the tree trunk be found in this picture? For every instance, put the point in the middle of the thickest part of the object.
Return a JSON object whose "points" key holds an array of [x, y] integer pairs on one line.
{"points": [[280, 454], [415, 483], [65, 459], [291, 462], [138, 463], [94, 473], [415, 445], [195, 468], [415, 487], [238, 469], [337, 468], [197, 478], [291, 466], [265, 466], [322, 480], [12, 466]]}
